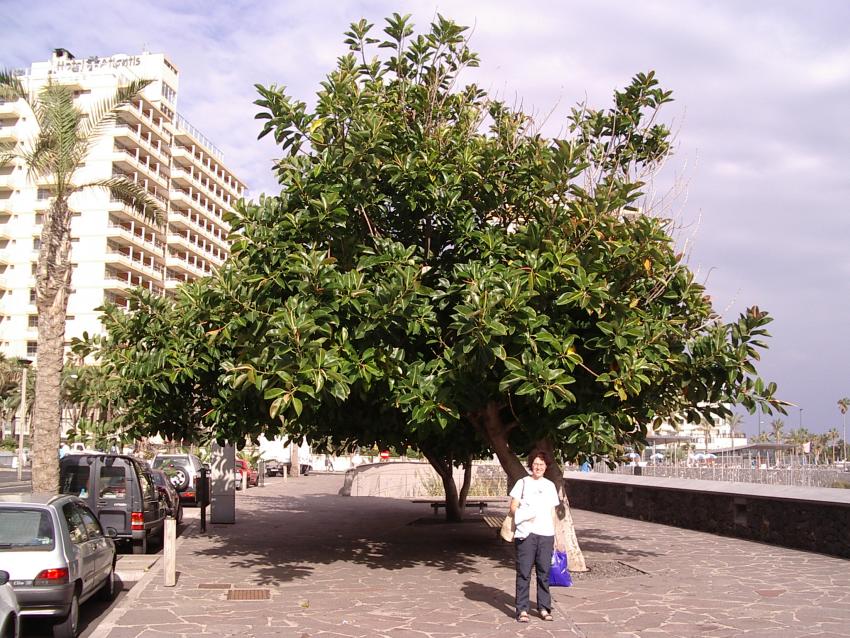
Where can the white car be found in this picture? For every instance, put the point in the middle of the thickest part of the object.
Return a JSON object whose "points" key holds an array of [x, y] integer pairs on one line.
{"points": [[57, 556], [10, 611]]}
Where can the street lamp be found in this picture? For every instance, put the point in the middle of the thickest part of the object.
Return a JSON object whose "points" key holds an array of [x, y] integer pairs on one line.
{"points": [[22, 410]]}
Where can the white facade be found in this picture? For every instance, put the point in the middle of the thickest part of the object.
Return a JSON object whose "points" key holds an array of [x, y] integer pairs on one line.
{"points": [[113, 248], [719, 435]]}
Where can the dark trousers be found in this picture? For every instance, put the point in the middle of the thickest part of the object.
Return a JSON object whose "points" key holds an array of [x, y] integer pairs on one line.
{"points": [[533, 551]]}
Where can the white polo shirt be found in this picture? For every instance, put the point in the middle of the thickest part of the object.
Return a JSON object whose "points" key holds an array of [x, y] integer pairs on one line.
{"points": [[537, 498]]}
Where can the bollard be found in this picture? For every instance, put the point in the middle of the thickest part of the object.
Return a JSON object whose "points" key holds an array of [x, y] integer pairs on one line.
{"points": [[169, 550], [285, 473], [203, 496]]}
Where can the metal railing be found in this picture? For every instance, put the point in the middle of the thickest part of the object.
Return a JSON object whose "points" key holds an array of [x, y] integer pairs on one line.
{"points": [[800, 476]]}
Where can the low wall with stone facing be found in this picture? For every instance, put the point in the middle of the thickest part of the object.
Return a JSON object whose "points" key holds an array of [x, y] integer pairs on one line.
{"points": [[812, 519]]}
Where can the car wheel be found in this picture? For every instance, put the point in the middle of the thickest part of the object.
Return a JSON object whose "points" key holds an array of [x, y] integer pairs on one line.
{"points": [[107, 592], [8, 630], [180, 479], [140, 546], [68, 627]]}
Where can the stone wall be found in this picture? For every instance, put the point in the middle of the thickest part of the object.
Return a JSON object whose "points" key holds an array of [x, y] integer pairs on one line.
{"points": [[412, 479], [812, 519]]}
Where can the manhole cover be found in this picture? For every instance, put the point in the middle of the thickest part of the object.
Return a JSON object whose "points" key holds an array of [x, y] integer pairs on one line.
{"points": [[213, 586], [248, 594]]}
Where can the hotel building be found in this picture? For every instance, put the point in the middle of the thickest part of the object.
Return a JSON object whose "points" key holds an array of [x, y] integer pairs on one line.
{"points": [[113, 249]]}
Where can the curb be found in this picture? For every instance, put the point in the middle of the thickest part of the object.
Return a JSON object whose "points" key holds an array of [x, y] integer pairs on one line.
{"points": [[108, 623]]}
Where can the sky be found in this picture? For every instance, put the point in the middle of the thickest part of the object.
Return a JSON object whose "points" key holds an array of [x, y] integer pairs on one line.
{"points": [[760, 177]]}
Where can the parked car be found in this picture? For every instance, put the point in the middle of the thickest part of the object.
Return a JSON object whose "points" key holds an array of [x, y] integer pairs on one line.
{"points": [[121, 491], [57, 556], [184, 472], [167, 492], [274, 468], [10, 611], [246, 476]]}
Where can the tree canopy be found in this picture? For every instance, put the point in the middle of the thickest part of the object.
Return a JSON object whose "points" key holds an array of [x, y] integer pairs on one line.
{"points": [[437, 273]]}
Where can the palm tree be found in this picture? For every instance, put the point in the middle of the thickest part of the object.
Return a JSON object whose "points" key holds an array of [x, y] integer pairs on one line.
{"points": [[777, 425], [734, 421], [843, 406], [53, 156], [832, 438]]}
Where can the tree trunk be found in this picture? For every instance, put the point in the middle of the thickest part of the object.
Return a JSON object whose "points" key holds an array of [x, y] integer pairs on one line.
{"points": [[53, 282], [567, 531], [491, 426], [294, 464], [455, 500]]}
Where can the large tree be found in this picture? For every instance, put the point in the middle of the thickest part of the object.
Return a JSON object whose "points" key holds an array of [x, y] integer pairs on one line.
{"points": [[435, 272], [58, 149]]}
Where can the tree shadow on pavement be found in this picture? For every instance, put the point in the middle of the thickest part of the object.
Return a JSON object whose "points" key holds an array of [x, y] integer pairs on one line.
{"points": [[603, 542], [318, 535], [498, 599]]}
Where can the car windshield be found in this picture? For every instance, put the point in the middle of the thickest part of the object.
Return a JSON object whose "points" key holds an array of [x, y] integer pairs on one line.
{"points": [[25, 528]]}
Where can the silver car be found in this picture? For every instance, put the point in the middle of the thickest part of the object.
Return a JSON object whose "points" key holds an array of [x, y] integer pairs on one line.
{"points": [[10, 611], [57, 556]]}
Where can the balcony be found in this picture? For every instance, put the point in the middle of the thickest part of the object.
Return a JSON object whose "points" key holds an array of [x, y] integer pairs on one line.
{"points": [[9, 107], [184, 219], [180, 264], [121, 232], [8, 130], [126, 212], [127, 258], [135, 161], [132, 135]]}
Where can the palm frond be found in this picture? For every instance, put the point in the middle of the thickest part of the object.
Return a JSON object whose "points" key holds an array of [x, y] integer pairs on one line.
{"points": [[11, 87], [7, 153], [104, 113], [133, 195], [40, 157], [59, 136]]}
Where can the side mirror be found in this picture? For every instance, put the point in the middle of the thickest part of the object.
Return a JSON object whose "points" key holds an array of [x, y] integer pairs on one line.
{"points": [[4, 577], [112, 532]]}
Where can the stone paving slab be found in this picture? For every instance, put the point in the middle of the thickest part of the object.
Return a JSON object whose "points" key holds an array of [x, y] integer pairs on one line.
{"points": [[347, 567]]}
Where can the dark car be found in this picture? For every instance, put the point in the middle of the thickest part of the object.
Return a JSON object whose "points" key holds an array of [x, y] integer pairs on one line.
{"points": [[121, 491], [57, 556], [184, 472], [169, 495]]}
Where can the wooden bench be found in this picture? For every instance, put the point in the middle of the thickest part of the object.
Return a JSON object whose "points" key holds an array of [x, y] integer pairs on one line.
{"points": [[436, 505], [495, 522]]}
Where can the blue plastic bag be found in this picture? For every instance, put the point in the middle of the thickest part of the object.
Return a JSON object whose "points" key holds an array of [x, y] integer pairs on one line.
{"points": [[559, 575]]}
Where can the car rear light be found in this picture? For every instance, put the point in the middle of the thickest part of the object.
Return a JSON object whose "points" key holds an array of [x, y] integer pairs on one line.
{"points": [[58, 576], [137, 520], [188, 494]]}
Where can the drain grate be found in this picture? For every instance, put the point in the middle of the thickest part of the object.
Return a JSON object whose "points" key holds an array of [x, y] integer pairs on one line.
{"points": [[214, 586], [248, 594]]}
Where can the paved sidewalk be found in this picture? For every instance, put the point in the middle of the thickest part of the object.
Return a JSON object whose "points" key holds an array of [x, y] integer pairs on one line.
{"points": [[344, 567]]}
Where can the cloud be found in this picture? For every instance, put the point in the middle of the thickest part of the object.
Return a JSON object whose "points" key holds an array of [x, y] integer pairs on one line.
{"points": [[762, 93]]}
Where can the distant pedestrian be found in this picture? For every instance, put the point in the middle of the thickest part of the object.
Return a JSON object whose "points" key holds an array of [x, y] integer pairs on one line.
{"points": [[533, 503]]}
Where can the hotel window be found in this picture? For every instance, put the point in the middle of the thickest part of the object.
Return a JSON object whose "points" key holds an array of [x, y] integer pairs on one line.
{"points": [[32, 321], [33, 295], [44, 193], [36, 243], [32, 348]]}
